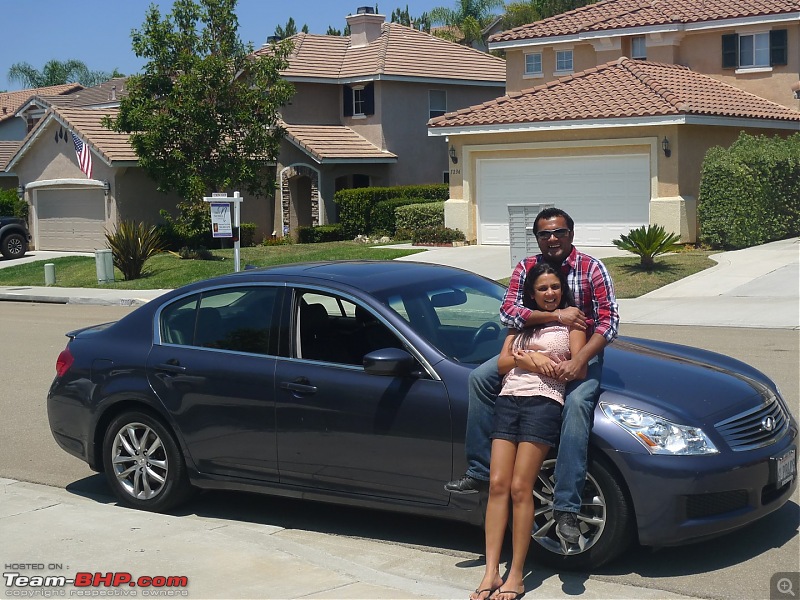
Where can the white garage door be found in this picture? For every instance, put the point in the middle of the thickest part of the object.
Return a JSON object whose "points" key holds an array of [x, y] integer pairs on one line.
{"points": [[605, 195], [70, 219]]}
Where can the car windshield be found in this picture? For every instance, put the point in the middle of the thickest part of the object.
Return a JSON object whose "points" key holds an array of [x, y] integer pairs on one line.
{"points": [[459, 315]]}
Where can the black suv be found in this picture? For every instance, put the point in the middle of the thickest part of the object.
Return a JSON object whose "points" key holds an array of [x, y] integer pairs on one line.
{"points": [[14, 237]]}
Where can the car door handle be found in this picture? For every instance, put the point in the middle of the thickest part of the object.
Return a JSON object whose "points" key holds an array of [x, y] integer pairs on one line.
{"points": [[299, 386], [172, 367]]}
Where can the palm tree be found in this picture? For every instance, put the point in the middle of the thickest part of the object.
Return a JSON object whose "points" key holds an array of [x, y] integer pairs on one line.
{"points": [[469, 17], [56, 72]]}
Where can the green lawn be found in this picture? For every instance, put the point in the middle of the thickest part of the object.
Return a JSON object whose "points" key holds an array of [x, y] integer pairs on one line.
{"points": [[168, 271]]}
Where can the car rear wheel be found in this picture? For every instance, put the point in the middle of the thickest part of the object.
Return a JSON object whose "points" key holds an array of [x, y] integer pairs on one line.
{"points": [[14, 245], [143, 463], [605, 521]]}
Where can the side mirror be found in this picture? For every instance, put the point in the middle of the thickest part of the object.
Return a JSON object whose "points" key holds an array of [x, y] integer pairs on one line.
{"points": [[389, 362]]}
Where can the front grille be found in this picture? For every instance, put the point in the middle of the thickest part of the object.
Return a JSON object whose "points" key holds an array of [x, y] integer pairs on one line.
{"points": [[708, 505], [758, 427]]}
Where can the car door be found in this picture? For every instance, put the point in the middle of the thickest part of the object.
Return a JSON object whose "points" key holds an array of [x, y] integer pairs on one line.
{"points": [[344, 430], [213, 367]]}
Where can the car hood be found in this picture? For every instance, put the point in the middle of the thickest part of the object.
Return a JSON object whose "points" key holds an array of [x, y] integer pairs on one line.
{"points": [[679, 382]]}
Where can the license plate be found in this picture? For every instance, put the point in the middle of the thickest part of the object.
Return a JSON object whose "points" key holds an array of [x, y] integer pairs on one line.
{"points": [[786, 467]]}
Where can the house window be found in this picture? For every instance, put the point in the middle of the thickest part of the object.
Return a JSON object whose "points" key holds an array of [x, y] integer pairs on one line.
{"points": [[437, 103], [358, 101], [754, 50], [446, 177], [638, 50], [564, 61], [533, 64]]}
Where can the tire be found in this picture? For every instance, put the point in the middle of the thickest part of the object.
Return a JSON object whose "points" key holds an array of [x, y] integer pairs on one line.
{"points": [[14, 245], [153, 479], [605, 521]]}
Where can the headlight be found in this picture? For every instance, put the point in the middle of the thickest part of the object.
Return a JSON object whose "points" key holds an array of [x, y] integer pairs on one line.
{"points": [[657, 434]]}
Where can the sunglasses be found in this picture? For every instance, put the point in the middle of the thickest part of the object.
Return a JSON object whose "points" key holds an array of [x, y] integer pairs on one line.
{"points": [[544, 234]]}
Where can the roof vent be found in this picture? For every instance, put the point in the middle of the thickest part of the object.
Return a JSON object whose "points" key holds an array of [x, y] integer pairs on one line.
{"points": [[365, 10]]}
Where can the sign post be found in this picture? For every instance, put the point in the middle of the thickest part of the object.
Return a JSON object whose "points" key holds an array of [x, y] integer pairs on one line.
{"points": [[221, 226]]}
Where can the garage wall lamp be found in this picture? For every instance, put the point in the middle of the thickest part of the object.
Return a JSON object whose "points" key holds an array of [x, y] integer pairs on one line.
{"points": [[665, 147], [106, 187], [453, 156], [20, 191]]}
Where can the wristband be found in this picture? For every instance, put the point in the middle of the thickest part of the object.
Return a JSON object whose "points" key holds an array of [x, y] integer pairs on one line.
{"points": [[559, 317]]}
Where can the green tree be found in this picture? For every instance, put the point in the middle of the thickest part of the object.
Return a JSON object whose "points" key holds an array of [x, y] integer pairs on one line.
{"points": [[203, 116], [466, 21], [402, 16], [289, 30], [56, 72]]}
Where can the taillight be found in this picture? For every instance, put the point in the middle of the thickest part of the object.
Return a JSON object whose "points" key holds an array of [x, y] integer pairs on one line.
{"points": [[64, 362]]}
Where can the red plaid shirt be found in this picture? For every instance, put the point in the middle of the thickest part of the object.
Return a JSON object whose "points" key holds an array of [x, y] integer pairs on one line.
{"points": [[591, 287]]}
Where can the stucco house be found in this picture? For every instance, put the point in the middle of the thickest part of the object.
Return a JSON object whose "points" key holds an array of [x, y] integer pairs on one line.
{"points": [[610, 108], [358, 118]]}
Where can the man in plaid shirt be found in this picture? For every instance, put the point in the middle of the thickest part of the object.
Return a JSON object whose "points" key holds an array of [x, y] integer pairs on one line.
{"points": [[597, 314]]}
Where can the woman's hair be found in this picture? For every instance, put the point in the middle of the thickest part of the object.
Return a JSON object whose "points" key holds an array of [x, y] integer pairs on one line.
{"points": [[537, 271]]}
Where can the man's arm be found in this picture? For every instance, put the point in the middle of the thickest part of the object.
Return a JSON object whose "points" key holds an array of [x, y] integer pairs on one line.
{"points": [[604, 301], [512, 313]]}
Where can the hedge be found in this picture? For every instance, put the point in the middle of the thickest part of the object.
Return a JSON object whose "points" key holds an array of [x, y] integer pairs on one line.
{"points": [[355, 206], [383, 217], [415, 217], [320, 233], [750, 192]]}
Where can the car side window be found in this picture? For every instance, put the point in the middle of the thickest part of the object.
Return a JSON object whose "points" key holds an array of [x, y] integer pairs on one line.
{"points": [[333, 329], [240, 319]]}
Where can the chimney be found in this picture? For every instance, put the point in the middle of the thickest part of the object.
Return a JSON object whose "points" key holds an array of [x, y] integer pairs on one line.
{"points": [[365, 26], [113, 92]]}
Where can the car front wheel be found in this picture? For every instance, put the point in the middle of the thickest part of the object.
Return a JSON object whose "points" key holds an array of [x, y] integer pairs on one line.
{"points": [[605, 521], [14, 245], [143, 463]]}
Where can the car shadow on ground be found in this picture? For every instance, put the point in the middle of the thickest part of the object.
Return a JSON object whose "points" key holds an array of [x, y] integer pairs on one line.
{"points": [[465, 541]]}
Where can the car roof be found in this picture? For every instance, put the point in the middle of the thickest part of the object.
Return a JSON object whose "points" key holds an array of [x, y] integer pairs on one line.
{"points": [[370, 276]]}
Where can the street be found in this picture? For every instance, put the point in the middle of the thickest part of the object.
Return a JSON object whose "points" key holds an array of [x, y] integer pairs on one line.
{"points": [[738, 565]]}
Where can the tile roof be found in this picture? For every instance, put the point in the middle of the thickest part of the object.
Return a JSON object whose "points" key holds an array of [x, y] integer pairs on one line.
{"points": [[332, 143], [87, 123], [10, 102], [620, 89], [7, 150], [618, 14], [399, 51]]}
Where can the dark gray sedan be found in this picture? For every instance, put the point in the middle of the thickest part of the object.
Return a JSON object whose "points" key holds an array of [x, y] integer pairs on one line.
{"points": [[347, 382]]}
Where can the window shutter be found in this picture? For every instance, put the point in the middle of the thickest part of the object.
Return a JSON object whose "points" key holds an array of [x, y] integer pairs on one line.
{"points": [[347, 100], [369, 99], [778, 47], [730, 51]]}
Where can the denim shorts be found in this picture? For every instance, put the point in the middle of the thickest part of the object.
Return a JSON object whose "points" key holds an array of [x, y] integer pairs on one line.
{"points": [[527, 419]]}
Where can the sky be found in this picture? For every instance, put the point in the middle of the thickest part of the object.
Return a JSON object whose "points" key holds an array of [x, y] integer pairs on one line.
{"points": [[97, 32]]}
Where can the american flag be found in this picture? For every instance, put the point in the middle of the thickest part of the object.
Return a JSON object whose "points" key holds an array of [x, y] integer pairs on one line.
{"points": [[84, 155]]}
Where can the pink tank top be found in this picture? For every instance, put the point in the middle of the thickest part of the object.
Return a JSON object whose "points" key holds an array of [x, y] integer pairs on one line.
{"points": [[552, 340]]}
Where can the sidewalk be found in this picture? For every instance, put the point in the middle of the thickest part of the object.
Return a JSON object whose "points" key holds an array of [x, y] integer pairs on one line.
{"points": [[228, 558], [754, 287]]}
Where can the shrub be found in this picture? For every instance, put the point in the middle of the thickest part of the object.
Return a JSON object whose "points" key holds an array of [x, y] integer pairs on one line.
{"points": [[279, 241], [200, 253], [11, 206], [247, 235], [132, 245], [192, 226], [383, 218], [354, 206], [750, 192], [414, 217], [320, 233], [437, 235], [648, 242]]}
